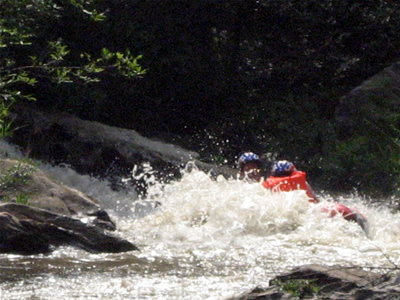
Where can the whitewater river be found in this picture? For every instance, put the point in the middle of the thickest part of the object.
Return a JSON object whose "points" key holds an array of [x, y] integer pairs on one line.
{"points": [[209, 239]]}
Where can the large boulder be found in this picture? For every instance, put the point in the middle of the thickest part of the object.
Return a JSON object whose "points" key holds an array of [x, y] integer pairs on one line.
{"points": [[38, 214], [368, 125], [372, 106], [93, 148], [27, 230], [328, 282], [23, 183]]}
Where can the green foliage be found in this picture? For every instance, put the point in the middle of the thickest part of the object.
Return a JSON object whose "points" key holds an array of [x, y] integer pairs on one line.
{"points": [[29, 58], [93, 13], [299, 288], [367, 152], [19, 199], [16, 176], [22, 199], [369, 163], [226, 76], [5, 126]]}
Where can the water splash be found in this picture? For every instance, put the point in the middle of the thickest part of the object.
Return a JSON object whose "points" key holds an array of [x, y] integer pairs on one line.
{"points": [[235, 206], [117, 203], [9, 151], [203, 238]]}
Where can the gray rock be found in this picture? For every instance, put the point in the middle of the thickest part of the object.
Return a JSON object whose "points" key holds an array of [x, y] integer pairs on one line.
{"points": [[27, 230], [23, 180], [37, 215], [331, 282], [91, 147], [371, 103]]}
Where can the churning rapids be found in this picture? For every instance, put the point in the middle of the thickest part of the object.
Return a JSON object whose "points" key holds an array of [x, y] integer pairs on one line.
{"points": [[209, 239]]}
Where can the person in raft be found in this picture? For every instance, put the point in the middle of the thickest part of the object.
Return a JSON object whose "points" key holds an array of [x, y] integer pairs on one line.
{"points": [[285, 177], [250, 167]]}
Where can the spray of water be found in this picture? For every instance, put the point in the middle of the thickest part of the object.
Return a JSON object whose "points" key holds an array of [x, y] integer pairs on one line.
{"points": [[199, 211], [206, 238]]}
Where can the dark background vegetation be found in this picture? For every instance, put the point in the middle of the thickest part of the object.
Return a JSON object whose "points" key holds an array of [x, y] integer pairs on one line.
{"points": [[229, 76]]}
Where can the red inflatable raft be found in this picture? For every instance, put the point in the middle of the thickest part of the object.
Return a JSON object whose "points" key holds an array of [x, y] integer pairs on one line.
{"points": [[347, 213]]}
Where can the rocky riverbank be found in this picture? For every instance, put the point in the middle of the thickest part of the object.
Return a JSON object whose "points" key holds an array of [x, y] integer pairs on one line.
{"points": [[38, 214]]}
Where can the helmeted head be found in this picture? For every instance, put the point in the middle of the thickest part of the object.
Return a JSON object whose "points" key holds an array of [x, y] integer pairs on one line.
{"points": [[249, 165], [282, 168], [248, 157]]}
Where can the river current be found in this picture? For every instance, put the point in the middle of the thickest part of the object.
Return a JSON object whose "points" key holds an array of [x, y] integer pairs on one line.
{"points": [[208, 239]]}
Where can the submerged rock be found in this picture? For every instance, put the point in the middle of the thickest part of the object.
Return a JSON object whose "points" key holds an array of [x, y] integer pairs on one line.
{"points": [[328, 282]]}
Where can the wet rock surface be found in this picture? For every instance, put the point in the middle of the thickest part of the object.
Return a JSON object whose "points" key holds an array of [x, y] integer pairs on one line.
{"points": [[328, 282], [94, 148], [38, 214], [27, 230], [21, 182]]}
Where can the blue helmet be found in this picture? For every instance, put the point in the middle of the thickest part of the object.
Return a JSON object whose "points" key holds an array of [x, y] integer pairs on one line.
{"points": [[248, 157], [283, 168]]}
